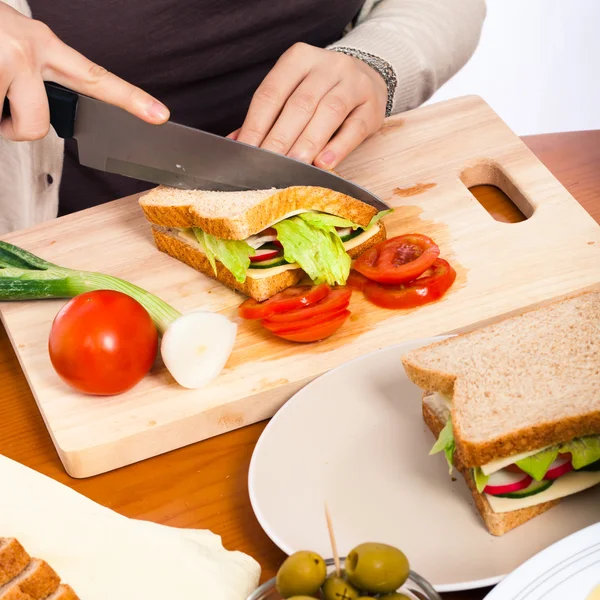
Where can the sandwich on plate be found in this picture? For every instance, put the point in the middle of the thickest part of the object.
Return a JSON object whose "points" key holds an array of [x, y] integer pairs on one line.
{"points": [[261, 242], [515, 407]]}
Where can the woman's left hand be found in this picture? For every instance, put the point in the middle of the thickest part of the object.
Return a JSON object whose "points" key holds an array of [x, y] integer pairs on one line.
{"points": [[316, 106]]}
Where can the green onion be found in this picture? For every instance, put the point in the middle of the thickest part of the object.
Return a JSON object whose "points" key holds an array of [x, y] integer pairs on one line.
{"points": [[24, 276]]}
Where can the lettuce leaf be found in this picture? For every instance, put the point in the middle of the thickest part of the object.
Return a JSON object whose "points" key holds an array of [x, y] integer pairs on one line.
{"points": [[481, 480], [584, 450], [445, 443], [323, 220], [377, 217], [538, 464], [316, 247], [233, 254]]}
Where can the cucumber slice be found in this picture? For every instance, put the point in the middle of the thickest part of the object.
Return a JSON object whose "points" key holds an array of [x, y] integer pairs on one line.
{"points": [[267, 264], [595, 466], [535, 488], [348, 237]]}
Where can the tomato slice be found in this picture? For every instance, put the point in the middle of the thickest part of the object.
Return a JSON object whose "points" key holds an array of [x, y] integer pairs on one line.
{"points": [[356, 281], [317, 332], [291, 298], [416, 293], [335, 301], [399, 259], [288, 327]]}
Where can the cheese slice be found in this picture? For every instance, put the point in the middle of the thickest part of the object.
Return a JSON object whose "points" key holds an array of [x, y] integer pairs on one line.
{"points": [[190, 238], [571, 483], [494, 465]]}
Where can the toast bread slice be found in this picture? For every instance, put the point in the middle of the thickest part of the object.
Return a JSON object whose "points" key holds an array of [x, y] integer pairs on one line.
{"points": [[37, 580], [13, 559], [238, 215], [26, 578], [258, 288], [496, 523], [521, 384]]}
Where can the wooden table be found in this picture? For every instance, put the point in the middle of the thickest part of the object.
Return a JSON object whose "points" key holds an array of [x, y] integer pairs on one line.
{"points": [[205, 485]]}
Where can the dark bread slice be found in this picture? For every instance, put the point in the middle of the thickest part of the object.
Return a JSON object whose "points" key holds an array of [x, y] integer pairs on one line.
{"points": [[520, 384], [238, 215], [13, 559], [38, 580], [497, 523], [259, 289]]}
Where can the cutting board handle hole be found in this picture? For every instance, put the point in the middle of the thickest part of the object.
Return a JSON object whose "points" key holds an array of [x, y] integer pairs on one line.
{"points": [[495, 191]]}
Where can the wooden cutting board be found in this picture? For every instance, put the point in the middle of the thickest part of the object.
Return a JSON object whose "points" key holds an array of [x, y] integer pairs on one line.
{"points": [[422, 163]]}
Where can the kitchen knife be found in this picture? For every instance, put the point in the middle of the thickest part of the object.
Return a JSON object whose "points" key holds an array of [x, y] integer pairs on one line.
{"points": [[110, 139]]}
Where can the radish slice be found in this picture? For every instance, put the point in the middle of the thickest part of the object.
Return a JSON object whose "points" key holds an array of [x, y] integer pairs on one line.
{"points": [[504, 482], [260, 239], [196, 347], [559, 467], [344, 231], [264, 255]]}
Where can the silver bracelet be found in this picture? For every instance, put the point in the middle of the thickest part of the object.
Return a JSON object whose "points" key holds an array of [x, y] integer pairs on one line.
{"points": [[381, 66]]}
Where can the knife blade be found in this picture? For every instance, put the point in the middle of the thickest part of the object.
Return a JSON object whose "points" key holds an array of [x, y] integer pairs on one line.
{"points": [[112, 140]]}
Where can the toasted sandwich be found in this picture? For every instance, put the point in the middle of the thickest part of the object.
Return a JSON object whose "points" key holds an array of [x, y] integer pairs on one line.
{"points": [[262, 241], [515, 406]]}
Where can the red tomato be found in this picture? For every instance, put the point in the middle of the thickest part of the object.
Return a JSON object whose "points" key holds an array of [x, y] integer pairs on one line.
{"points": [[288, 327], [316, 332], [336, 300], [356, 281], [399, 259], [416, 293], [102, 342], [292, 298]]}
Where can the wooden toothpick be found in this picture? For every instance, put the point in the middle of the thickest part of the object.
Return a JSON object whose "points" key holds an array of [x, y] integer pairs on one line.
{"points": [[336, 558]]}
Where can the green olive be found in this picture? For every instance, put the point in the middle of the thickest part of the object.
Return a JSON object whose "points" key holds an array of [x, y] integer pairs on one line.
{"points": [[394, 596], [339, 588], [377, 568], [301, 574]]}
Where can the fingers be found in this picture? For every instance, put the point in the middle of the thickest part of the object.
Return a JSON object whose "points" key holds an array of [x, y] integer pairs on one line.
{"points": [[329, 115], [30, 115], [234, 135], [68, 67], [272, 94], [301, 109], [359, 125]]}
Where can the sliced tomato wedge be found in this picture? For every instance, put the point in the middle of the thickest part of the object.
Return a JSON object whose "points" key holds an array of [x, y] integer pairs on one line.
{"points": [[336, 300], [356, 281], [398, 260], [317, 332], [291, 298], [416, 293], [291, 326]]}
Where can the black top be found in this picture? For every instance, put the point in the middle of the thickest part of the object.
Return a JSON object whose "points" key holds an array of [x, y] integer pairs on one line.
{"points": [[202, 58]]}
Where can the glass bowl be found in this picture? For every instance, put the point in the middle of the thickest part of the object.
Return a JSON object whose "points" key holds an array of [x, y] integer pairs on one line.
{"points": [[416, 588]]}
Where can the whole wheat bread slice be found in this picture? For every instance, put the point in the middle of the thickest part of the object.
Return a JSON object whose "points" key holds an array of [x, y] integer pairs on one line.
{"points": [[26, 578], [260, 289], [238, 215], [521, 384], [435, 417]]}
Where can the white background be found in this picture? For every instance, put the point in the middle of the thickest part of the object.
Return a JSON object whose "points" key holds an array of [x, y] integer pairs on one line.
{"points": [[537, 65]]}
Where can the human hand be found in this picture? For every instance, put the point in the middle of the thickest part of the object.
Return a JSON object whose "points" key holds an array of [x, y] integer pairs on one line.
{"points": [[316, 106], [31, 54]]}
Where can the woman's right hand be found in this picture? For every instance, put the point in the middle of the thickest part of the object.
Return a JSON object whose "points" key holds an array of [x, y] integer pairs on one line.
{"points": [[30, 53]]}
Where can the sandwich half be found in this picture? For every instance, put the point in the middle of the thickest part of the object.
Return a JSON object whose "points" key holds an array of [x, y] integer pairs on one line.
{"points": [[516, 408], [262, 241]]}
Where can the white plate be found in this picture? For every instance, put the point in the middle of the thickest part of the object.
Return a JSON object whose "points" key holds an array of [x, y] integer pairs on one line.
{"points": [[355, 438], [569, 569]]}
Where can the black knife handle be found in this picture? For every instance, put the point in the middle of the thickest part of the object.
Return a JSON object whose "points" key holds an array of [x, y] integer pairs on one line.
{"points": [[63, 108]]}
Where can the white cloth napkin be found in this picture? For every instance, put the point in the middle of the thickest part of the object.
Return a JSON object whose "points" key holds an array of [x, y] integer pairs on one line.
{"points": [[102, 554]]}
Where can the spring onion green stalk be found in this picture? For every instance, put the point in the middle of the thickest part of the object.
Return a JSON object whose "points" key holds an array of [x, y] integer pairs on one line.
{"points": [[24, 276], [194, 347]]}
